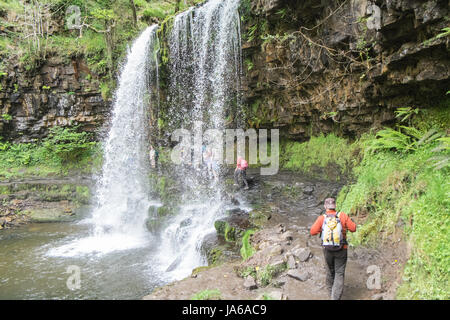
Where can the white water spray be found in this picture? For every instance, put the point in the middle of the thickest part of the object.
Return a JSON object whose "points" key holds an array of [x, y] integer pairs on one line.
{"points": [[205, 64], [122, 193]]}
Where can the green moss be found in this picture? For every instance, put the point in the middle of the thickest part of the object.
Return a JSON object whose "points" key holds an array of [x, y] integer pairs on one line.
{"points": [[165, 211], [259, 216], [197, 270], [323, 156], [215, 256], [207, 295], [247, 250], [224, 229]]}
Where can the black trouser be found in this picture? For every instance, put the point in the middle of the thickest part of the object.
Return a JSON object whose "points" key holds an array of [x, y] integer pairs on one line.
{"points": [[336, 262], [238, 173]]}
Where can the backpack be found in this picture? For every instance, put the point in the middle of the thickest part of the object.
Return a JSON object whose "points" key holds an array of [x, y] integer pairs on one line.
{"points": [[244, 164], [332, 236]]}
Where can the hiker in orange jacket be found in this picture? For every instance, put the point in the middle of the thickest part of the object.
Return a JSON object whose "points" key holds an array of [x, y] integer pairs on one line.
{"points": [[336, 255]]}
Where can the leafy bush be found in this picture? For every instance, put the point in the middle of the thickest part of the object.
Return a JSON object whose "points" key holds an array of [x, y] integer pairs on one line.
{"points": [[62, 150], [68, 144]]}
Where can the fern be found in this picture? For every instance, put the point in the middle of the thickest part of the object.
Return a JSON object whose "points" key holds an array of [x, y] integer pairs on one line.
{"points": [[406, 113], [388, 139], [404, 139], [442, 158]]}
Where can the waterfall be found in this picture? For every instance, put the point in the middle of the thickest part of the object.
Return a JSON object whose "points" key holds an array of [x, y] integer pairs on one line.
{"points": [[205, 65], [122, 191], [204, 68]]}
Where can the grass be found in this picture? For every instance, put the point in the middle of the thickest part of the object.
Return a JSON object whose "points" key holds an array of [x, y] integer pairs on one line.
{"points": [[321, 152], [57, 155], [403, 186], [399, 185], [207, 295], [265, 275]]}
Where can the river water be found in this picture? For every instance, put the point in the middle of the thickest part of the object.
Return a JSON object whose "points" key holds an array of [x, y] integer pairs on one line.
{"points": [[118, 258], [29, 270]]}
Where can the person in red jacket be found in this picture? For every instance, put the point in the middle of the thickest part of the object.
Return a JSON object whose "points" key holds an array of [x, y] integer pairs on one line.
{"points": [[336, 260], [240, 172]]}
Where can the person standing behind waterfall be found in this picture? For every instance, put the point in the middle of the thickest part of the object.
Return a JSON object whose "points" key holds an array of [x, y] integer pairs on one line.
{"points": [[153, 154], [333, 227], [240, 172]]}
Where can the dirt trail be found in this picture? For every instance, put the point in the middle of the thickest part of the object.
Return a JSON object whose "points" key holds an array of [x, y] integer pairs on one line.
{"points": [[295, 202]]}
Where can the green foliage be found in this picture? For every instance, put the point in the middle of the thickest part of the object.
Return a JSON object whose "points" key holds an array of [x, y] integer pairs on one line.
{"points": [[247, 271], [404, 139], [247, 250], [105, 91], [6, 117], [399, 181], [319, 153], [64, 149], [445, 33], [207, 295], [406, 113], [265, 275], [67, 144], [249, 64], [267, 296]]}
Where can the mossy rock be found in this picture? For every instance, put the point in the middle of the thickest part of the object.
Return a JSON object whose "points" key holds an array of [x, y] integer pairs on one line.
{"points": [[260, 216], [50, 215], [200, 269], [224, 229], [166, 211]]}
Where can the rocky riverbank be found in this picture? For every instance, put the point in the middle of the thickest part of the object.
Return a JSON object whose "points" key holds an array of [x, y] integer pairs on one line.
{"points": [[42, 200], [286, 263]]}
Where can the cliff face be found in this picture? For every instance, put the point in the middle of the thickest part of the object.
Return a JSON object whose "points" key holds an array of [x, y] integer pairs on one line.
{"points": [[345, 66], [56, 94], [309, 66]]}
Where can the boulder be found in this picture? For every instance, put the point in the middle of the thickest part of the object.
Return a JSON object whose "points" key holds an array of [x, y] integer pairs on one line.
{"points": [[291, 264], [250, 283], [308, 190], [302, 254], [298, 274]]}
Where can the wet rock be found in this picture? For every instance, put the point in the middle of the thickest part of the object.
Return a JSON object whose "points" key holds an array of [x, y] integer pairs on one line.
{"points": [[272, 295], [186, 222], [302, 254], [291, 264], [174, 264], [278, 263], [276, 251], [279, 282], [250, 283], [234, 201], [378, 296], [298, 274], [286, 236], [308, 190], [234, 225]]}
